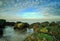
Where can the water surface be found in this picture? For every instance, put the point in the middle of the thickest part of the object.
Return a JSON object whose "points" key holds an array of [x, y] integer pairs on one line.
{"points": [[13, 35]]}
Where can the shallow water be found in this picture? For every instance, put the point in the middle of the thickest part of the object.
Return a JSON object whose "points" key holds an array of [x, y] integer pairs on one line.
{"points": [[11, 35]]}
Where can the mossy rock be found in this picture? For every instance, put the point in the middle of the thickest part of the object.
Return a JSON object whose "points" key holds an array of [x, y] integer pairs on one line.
{"points": [[40, 37]]}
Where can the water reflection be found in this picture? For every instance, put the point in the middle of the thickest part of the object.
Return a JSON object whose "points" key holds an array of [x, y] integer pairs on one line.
{"points": [[11, 35]]}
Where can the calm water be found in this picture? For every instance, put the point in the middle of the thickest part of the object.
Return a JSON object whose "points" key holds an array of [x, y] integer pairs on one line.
{"points": [[11, 35]]}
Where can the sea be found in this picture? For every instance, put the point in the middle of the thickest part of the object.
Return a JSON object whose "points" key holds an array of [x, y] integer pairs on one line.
{"points": [[14, 35]]}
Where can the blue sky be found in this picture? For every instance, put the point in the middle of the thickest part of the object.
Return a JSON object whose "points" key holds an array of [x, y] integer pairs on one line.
{"points": [[30, 9]]}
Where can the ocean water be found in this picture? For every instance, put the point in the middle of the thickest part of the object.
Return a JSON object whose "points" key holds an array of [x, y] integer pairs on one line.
{"points": [[11, 35], [30, 21]]}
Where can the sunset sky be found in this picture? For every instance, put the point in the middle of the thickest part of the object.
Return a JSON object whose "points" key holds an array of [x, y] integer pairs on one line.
{"points": [[30, 9]]}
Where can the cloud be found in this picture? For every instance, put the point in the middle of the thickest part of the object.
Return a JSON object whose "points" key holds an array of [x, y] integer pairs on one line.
{"points": [[1, 3], [27, 8], [51, 9]]}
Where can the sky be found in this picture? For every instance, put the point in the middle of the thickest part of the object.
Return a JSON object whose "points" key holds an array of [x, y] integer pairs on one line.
{"points": [[30, 9]]}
